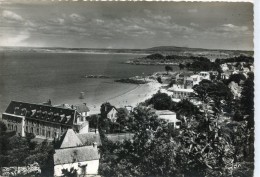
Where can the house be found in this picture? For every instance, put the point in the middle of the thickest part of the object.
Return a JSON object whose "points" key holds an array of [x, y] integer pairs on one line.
{"points": [[72, 153], [204, 75], [43, 120], [180, 93], [170, 117], [111, 112], [129, 108], [83, 111]]}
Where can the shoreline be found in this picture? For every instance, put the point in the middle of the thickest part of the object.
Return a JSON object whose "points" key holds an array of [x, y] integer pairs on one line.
{"points": [[131, 97]]}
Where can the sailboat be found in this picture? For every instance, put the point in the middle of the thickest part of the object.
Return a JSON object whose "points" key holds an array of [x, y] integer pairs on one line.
{"points": [[82, 95]]}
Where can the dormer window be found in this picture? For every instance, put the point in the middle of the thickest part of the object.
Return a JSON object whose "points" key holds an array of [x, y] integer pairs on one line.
{"points": [[62, 117], [16, 109], [68, 118], [23, 113], [33, 113]]}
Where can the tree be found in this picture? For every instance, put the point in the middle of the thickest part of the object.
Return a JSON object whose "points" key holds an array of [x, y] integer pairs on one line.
{"points": [[187, 109], [168, 68], [3, 127], [150, 153], [93, 121], [188, 65], [155, 56], [69, 173], [202, 89], [247, 99], [122, 118], [236, 78], [159, 79], [161, 101], [181, 66], [104, 122]]}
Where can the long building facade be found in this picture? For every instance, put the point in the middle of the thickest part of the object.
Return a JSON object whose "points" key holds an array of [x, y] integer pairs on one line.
{"points": [[44, 121]]}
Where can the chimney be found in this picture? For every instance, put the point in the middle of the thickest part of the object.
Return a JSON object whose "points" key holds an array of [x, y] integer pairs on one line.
{"points": [[49, 102], [95, 145], [85, 104], [72, 107]]}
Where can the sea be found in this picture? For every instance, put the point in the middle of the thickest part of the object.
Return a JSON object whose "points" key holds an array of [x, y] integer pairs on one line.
{"points": [[38, 76]]}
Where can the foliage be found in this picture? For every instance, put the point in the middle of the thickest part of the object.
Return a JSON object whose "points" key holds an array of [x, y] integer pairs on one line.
{"points": [[20, 151], [93, 121], [155, 56], [122, 118], [215, 151], [3, 127], [187, 109], [131, 81], [181, 66], [240, 58], [173, 81], [69, 173], [159, 79], [236, 78], [168, 68], [150, 153], [247, 99], [161, 101]]}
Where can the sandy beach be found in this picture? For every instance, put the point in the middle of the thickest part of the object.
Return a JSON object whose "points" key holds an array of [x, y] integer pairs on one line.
{"points": [[130, 98]]}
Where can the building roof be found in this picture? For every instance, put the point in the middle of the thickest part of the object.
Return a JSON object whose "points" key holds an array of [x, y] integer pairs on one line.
{"points": [[40, 112], [185, 74], [164, 112], [70, 139], [89, 138], [76, 154], [81, 108], [180, 90], [167, 115], [120, 137]]}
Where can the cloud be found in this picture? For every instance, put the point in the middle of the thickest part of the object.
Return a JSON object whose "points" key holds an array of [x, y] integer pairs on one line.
{"points": [[194, 24], [192, 10], [229, 30], [99, 21], [57, 21], [11, 16], [77, 18], [15, 40], [157, 17], [76, 29], [231, 27]]}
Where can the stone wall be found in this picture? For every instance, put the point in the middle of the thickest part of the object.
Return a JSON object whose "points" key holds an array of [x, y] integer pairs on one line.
{"points": [[21, 171]]}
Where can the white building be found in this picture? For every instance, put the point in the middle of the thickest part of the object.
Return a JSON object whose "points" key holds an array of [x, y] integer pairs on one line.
{"points": [[73, 154], [112, 113], [170, 117], [83, 110], [204, 75], [180, 93]]}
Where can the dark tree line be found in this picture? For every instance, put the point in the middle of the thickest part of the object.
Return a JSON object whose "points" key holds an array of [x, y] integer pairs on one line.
{"points": [[19, 151], [206, 146]]}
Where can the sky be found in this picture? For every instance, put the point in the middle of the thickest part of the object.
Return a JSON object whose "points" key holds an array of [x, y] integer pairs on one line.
{"points": [[218, 25]]}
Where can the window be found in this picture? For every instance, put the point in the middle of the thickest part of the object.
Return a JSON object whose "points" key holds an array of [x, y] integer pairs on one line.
{"points": [[48, 133], [31, 130], [15, 128], [43, 132], [37, 131], [26, 129]]}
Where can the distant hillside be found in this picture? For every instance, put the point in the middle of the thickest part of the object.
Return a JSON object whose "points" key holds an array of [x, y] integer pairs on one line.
{"points": [[174, 48]]}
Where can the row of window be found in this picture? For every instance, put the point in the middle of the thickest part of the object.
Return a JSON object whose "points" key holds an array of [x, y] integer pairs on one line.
{"points": [[42, 132], [12, 127]]}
